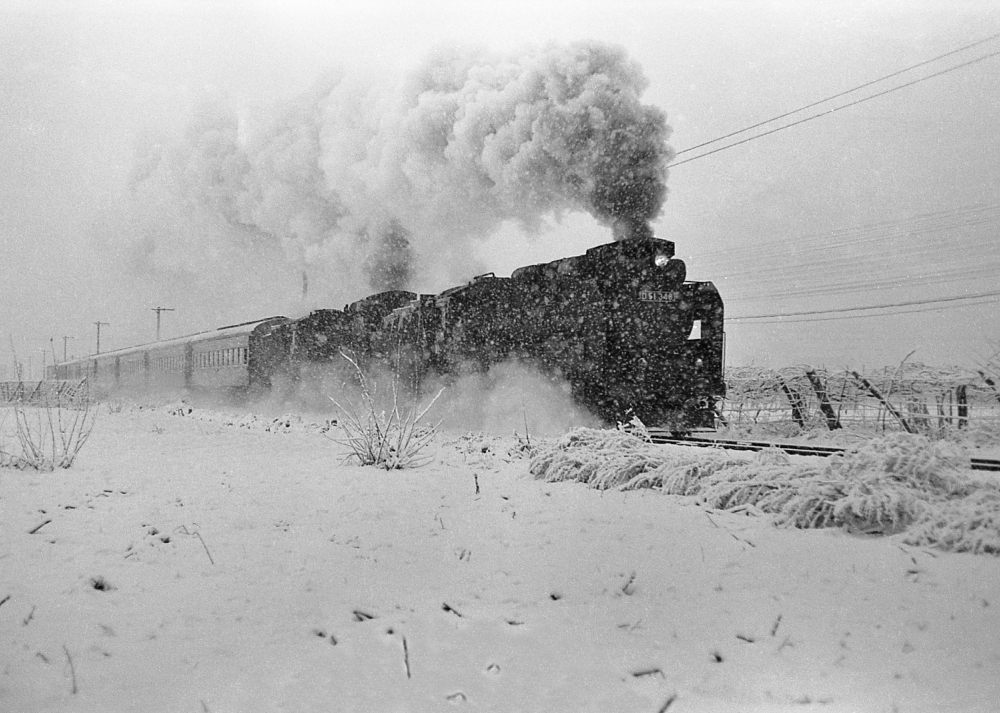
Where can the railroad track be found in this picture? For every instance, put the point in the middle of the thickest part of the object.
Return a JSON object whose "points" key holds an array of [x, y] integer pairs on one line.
{"points": [[794, 449]]}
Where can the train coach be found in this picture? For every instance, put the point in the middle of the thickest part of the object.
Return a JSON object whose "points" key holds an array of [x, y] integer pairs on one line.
{"points": [[620, 324], [231, 358]]}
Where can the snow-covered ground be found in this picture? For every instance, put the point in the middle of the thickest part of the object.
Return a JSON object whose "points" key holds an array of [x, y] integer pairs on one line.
{"points": [[204, 563]]}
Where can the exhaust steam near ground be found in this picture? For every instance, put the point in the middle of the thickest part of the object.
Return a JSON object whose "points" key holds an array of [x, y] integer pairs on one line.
{"points": [[512, 398]]}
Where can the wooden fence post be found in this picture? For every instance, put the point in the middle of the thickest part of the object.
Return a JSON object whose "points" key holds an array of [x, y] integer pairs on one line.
{"points": [[832, 420], [795, 399], [875, 392]]}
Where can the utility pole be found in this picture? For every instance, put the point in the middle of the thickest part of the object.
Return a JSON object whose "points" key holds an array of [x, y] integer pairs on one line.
{"points": [[106, 324], [65, 339], [158, 310]]}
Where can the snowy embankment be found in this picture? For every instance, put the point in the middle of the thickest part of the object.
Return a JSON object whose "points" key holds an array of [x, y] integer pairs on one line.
{"points": [[190, 564]]}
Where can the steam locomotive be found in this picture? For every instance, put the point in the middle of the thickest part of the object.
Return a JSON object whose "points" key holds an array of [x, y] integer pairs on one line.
{"points": [[620, 324]]}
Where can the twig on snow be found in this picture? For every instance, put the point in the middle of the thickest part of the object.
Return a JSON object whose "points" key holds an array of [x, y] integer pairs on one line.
{"points": [[195, 533], [36, 528], [648, 672], [667, 703], [198, 535], [72, 669]]}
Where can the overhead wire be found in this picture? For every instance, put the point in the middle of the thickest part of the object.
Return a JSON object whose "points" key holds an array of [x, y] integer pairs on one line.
{"points": [[902, 252], [837, 108], [874, 234], [877, 241], [870, 307], [990, 298], [841, 94], [880, 266]]}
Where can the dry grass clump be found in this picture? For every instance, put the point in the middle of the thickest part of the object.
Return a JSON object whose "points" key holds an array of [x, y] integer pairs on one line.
{"points": [[602, 459], [884, 486], [390, 438], [969, 524]]}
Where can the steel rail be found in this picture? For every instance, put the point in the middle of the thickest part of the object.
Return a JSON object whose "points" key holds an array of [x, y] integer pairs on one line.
{"points": [[795, 449]]}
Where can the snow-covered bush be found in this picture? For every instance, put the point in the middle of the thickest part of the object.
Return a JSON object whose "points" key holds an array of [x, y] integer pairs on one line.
{"points": [[885, 485], [969, 524], [390, 437]]}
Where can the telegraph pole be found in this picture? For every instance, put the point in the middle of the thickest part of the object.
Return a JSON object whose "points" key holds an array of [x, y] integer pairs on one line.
{"points": [[106, 324], [65, 339], [158, 310]]}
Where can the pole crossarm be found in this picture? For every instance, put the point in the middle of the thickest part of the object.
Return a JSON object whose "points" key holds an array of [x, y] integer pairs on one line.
{"points": [[106, 324], [158, 310]]}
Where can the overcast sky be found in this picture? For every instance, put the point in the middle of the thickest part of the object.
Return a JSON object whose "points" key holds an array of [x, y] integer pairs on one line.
{"points": [[894, 201]]}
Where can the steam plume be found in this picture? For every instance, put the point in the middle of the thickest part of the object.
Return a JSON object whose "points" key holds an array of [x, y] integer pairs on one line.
{"points": [[368, 188]]}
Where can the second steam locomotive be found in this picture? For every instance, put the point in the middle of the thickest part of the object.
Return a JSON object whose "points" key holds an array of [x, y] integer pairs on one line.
{"points": [[620, 324]]}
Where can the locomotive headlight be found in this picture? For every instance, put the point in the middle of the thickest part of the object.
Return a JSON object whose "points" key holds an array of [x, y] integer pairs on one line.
{"points": [[661, 260]]}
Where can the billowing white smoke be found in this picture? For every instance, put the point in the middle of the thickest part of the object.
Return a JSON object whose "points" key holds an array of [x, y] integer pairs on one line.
{"points": [[366, 189]]}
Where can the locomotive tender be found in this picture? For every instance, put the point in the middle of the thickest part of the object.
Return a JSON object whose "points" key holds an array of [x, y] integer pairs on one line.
{"points": [[619, 323]]}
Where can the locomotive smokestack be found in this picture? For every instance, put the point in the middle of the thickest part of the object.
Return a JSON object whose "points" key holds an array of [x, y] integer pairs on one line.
{"points": [[625, 229], [389, 262]]}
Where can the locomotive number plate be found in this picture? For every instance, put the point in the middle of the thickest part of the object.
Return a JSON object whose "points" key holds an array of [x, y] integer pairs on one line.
{"points": [[659, 296]]}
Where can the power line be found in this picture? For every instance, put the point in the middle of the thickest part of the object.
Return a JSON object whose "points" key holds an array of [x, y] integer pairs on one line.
{"points": [[875, 234], [877, 256], [980, 295], [835, 109], [841, 94], [838, 317]]}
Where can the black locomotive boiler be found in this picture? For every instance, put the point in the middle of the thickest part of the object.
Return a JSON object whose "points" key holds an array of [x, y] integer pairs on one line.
{"points": [[620, 324]]}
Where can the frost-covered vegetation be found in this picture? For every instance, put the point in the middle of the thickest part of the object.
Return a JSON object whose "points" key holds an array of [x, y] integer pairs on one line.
{"points": [[892, 483], [951, 403], [43, 426], [390, 436]]}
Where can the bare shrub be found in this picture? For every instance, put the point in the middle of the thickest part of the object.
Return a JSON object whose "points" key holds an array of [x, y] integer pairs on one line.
{"points": [[47, 436], [391, 437]]}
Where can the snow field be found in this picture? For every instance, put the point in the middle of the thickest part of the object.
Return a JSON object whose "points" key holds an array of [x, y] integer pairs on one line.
{"points": [[247, 569]]}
